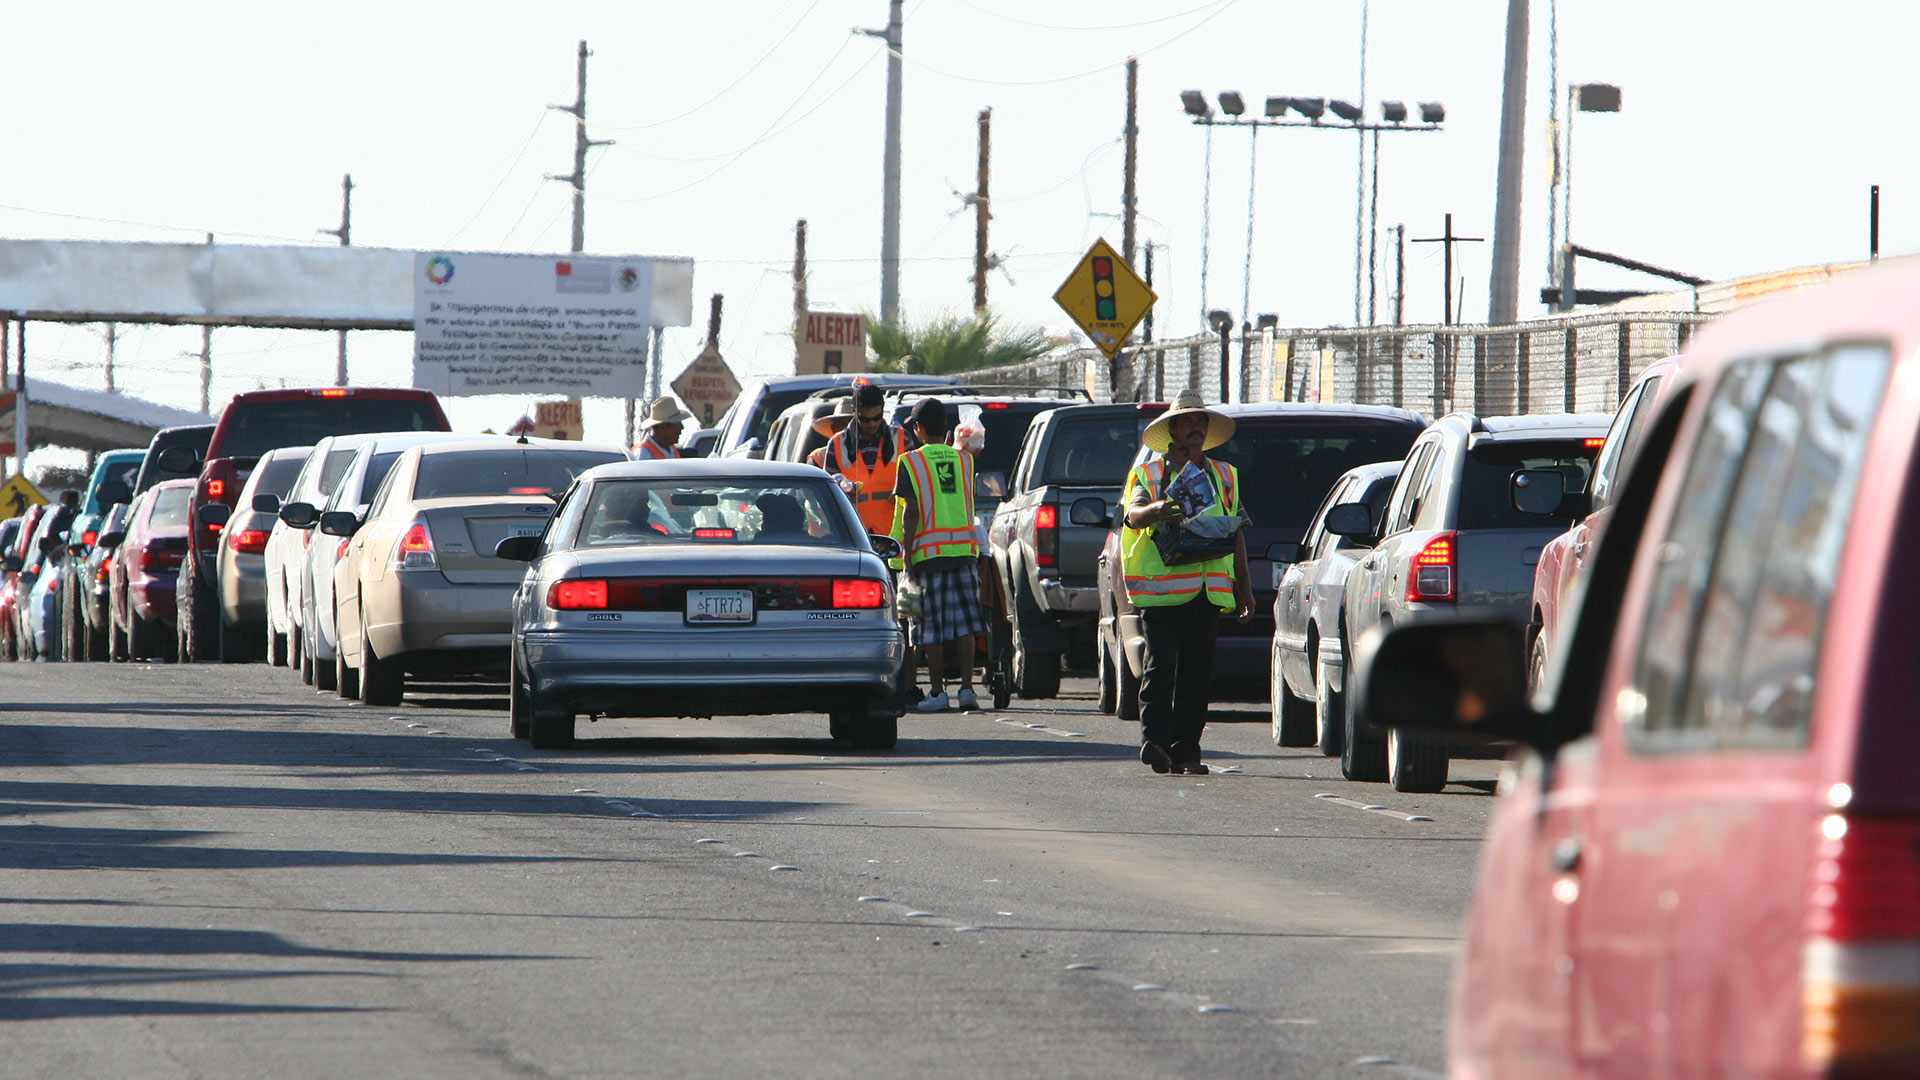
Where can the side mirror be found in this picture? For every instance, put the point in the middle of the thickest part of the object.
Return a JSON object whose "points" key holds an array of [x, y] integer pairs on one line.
{"points": [[216, 515], [299, 515], [990, 485], [1282, 551], [339, 523], [110, 492], [885, 546], [109, 541], [77, 551], [1350, 519], [51, 544], [752, 448], [179, 459], [1544, 492], [266, 504], [1088, 511], [1460, 678], [513, 548]]}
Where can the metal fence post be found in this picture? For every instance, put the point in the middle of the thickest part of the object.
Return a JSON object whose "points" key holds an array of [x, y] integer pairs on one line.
{"points": [[1522, 370], [1571, 374], [1626, 360]]}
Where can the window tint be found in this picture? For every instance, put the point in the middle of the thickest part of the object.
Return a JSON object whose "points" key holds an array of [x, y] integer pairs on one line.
{"points": [[1318, 540], [259, 426], [277, 475], [1486, 481], [1732, 643], [771, 405], [377, 470], [169, 508], [621, 512], [502, 472], [1623, 438], [560, 530], [333, 469], [1411, 479], [1093, 451], [1286, 468]]}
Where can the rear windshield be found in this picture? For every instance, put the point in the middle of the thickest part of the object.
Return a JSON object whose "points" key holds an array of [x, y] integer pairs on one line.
{"points": [[719, 512], [124, 473], [1096, 451], [772, 404], [169, 508], [503, 472], [152, 473], [332, 469], [255, 427], [1286, 469], [1486, 498], [277, 476]]}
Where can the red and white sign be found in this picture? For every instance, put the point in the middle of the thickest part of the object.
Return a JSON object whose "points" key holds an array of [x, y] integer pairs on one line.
{"points": [[831, 342], [557, 419]]}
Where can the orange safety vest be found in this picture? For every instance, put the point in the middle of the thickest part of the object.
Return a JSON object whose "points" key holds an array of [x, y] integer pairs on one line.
{"points": [[648, 450], [873, 487]]}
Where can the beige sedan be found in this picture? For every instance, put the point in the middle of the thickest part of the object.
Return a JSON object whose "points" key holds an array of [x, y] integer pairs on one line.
{"points": [[418, 590]]}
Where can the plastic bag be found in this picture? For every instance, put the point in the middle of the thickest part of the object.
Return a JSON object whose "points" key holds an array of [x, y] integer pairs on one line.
{"points": [[970, 433], [906, 599]]}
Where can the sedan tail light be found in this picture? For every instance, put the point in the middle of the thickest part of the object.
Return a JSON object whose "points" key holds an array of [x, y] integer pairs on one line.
{"points": [[415, 549], [158, 558], [1046, 535], [859, 593], [89, 537], [586, 593], [1430, 576], [670, 594], [248, 541], [1860, 966]]}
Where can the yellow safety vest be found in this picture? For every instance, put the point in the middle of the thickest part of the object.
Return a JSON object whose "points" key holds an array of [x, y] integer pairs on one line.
{"points": [[1152, 583], [942, 479]]}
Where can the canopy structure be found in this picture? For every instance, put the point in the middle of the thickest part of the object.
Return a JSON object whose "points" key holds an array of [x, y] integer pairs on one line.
{"points": [[94, 420]]}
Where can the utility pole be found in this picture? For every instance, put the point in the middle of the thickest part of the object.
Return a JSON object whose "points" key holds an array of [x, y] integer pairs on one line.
{"points": [[713, 323], [1399, 274], [799, 287], [206, 356], [890, 171], [1146, 328], [1503, 288], [1873, 226], [578, 177], [111, 335], [1449, 240], [981, 215], [1360, 167], [345, 233], [19, 396], [1129, 203]]}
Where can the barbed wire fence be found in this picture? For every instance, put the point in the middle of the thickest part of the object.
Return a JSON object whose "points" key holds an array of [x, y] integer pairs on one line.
{"points": [[1575, 363]]}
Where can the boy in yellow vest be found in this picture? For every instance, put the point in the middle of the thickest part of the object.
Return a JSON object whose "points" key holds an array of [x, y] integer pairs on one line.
{"points": [[1179, 604], [934, 521]]}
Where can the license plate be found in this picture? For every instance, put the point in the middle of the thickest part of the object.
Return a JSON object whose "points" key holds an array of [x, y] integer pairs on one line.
{"points": [[526, 528], [719, 605]]}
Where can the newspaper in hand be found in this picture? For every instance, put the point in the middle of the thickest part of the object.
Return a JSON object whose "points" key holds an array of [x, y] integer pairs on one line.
{"points": [[1192, 490]]}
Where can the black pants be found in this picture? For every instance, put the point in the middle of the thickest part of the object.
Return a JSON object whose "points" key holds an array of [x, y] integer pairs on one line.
{"points": [[1179, 670]]}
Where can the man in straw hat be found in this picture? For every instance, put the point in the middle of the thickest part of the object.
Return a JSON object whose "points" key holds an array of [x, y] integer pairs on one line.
{"points": [[662, 430], [828, 426], [1179, 604]]}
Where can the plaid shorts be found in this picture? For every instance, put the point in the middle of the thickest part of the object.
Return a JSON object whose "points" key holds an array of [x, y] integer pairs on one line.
{"points": [[949, 605]]}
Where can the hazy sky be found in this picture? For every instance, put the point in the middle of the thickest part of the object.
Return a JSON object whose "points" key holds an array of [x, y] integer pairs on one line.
{"points": [[1747, 141]]}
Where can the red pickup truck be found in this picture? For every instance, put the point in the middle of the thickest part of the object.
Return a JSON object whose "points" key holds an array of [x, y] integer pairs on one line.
{"points": [[252, 424]]}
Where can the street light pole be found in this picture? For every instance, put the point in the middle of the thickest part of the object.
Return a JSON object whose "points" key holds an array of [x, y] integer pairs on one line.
{"points": [[1581, 97], [890, 171]]}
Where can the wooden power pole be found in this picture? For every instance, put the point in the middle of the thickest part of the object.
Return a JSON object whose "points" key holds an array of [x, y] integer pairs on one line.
{"points": [[1129, 204], [981, 214], [799, 288]]}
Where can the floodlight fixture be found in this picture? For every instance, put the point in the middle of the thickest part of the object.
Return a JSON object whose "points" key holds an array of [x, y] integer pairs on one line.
{"points": [[1312, 108], [1347, 111], [1196, 103], [1597, 97], [1268, 322], [1220, 320], [1432, 112], [1276, 107], [1393, 112], [1231, 103]]}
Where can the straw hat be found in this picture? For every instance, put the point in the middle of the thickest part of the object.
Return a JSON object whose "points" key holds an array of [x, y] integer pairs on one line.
{"points": [[842, 415], [666, 411], [1159, 434]]}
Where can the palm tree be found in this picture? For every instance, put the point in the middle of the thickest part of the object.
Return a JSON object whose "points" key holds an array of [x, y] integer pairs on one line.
{"points": [[948, 343]]}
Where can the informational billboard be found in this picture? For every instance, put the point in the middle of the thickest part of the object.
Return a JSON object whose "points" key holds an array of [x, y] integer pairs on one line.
{"points": [[830, 343], [576, 325]]}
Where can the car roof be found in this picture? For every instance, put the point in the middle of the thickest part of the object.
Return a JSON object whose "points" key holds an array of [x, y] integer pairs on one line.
{"points": [[1309, 410], [507, 442], [1374, 470], [824, 382], [383, 441], [1530, 426], [285, 452], [704, 469]]}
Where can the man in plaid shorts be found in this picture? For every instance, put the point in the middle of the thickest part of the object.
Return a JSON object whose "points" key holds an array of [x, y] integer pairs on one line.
{"points": [[934, 523]]}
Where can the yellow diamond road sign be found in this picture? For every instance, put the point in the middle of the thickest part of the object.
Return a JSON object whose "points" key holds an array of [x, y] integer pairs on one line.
{"points": [[17, 495], [1105, 297]]}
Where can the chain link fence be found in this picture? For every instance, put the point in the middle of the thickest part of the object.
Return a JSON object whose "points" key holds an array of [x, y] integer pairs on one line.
{"points": [[1578, 363]]}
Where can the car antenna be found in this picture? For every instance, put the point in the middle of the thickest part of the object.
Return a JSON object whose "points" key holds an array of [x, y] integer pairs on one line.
{"points": [[522, 440]]}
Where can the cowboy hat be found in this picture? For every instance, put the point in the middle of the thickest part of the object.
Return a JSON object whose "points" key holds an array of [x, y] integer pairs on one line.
{"points": [[1159, 434], [666, 411], [842, 415]]}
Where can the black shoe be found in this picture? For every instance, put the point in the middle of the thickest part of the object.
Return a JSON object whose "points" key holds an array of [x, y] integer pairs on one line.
{"points": [[1190, 768], [1156, 757]]}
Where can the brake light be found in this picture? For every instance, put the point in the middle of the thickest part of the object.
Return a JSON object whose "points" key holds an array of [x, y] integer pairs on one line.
{"points": [[575, 595], [248, 541], [216, 488], [1593, 444], [1430, 576], [1860, 966], [106, 569], [997, 405], [858, 593], [89, 537], [415, 549], [335, 392], [341, 551], [153, 558], [1046, 535], [713, 534]]}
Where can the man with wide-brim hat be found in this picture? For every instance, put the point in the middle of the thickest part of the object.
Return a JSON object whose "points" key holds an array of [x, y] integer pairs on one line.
{"points": [[829, 425], [1180, 603], [665, 420]]}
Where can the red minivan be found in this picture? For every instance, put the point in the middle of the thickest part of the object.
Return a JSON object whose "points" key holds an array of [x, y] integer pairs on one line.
{"points": [[1705, 860]]}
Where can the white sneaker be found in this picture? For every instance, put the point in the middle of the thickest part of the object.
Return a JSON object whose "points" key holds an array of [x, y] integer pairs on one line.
{"points": [[932, 703], [967, 700]]}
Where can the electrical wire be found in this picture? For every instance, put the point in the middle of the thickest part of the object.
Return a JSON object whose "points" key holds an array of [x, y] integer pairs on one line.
{"points": [[1224, 6], [725, 90], [1084, 29], [1079, 173], [504, 177]]}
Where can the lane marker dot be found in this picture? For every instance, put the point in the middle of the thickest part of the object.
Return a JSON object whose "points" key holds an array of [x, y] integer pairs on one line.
{"points": [[1149, 986], [1083, 967], [783, 868], [873, 900]]}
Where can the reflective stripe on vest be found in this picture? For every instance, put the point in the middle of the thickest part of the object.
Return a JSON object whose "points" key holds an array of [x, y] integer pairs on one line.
{"points": [[648, 450], [1152, 583], [873, 501], [945, 525]]}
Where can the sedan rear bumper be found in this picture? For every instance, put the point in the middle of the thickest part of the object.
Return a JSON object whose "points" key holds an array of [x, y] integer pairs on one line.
{"points": [[421, 610]]}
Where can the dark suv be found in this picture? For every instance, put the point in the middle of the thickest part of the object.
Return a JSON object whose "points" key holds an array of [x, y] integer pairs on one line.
{"points": [[251, 425]]}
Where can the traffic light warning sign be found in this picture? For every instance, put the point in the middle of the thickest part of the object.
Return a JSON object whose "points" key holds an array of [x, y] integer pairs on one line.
{"points": [[1105, 298]]}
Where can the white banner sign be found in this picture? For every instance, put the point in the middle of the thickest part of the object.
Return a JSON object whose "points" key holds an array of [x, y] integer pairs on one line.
{"points": [[532, 324]]}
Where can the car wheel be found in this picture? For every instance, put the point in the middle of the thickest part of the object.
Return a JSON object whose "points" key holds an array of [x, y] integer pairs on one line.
{"points": [[1416, 763], [117, 647], [1292, 715], [346, 680], [199, 616], [519, 695], [549, 727], [1035, 674], [277, 648], [235, 647], [382, 682], [1109, 684], [873, 731], [1329, 705], [73, 624], [1126, 705], [97, 644], [841, 726], [141, 644], [1536, 664], [1363, 751]]}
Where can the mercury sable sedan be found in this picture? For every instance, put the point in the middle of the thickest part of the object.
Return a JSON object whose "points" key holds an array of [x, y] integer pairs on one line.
{"points": [[419, 590], [702, 588]]}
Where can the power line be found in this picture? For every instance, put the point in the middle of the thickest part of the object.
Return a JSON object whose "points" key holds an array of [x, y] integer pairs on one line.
{"points": [[1084, 29], [504, 177], [730, 87], [1224, 6]]}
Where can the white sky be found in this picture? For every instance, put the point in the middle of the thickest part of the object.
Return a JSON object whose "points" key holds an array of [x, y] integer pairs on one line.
{"points": [[1747, 141]]}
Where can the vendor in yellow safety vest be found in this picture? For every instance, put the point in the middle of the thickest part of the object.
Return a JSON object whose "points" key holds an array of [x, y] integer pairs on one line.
{"points": [[867, 454], [665, 421], [934, 522], [1180, 604]]}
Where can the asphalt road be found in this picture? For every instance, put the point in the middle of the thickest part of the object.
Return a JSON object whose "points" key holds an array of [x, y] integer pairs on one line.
{"points": [[217, 872]]}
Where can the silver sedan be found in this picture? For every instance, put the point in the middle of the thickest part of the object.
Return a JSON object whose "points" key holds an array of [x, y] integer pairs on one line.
{"points": [[703, 588]]}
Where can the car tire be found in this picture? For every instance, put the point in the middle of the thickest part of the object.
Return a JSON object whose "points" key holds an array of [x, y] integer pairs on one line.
{"points": [[117, 646], [323, 673], [1035, 674], [841, 726], [1292, 715], [1329, 708], [1536, 664], [1363, 751], [1108, 678], [1416, 763], [1126, 705], [278, 648], [382, 682], [198, 618], [73, 624], [548, 728], [235, 647], [98, 648], [346, 680], [874, 731]]}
